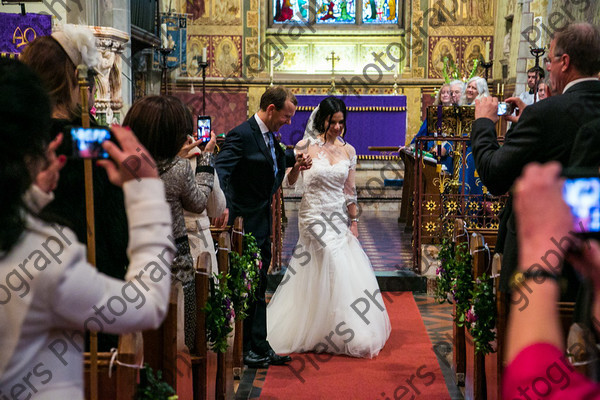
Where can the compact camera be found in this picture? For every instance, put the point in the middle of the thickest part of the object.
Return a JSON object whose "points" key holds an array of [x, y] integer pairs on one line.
{"points": [[505, 108]]}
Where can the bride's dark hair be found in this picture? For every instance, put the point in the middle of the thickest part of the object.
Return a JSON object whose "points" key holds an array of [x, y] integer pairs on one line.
{"points": [[24, 135], [327, 108]]}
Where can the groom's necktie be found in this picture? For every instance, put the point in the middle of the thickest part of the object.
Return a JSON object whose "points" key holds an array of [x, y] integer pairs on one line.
{"points": [[272, 149]]}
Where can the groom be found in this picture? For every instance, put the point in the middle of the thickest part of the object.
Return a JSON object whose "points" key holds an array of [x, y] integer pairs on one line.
{"points": [[251, 166]]}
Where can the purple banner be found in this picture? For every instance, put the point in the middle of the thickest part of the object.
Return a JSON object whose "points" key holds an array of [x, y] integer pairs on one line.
{"points": [[371, 121], [17, 30]]}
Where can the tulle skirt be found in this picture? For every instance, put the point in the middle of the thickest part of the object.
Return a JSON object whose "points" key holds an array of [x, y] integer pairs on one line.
{"points": [[328, 300]]}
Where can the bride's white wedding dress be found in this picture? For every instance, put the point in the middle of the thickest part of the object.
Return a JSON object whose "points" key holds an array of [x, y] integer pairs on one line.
{"points": [[328, 300]]}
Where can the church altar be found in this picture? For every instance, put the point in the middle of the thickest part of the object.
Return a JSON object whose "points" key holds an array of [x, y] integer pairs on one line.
{"points": [[371, 121]]}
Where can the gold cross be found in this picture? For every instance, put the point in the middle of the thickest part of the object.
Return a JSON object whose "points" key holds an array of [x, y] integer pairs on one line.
{"points": [[333, 59]]}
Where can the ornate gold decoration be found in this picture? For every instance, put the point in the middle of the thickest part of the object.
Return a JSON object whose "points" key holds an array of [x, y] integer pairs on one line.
{"points": [[431, 205], [431, 227]]}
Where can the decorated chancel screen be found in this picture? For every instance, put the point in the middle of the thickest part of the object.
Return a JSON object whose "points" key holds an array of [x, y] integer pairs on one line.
{"points": [[371, 121]]}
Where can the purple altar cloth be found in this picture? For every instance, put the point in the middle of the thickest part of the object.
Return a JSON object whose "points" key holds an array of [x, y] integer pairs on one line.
{"points": [[371, 121], [17, 30]]}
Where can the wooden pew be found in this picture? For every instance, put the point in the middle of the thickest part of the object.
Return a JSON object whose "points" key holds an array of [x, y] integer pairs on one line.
{"points": [[237, 243], [199, 358], [165, 349], [224, 381], [475, 383], [122, 384], [458, 344], [494, 362]]}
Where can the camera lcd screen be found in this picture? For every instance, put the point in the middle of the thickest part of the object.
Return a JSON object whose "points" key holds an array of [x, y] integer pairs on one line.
{"points": [[204, 128], [582, 195], [504, 108], [87, 142]]}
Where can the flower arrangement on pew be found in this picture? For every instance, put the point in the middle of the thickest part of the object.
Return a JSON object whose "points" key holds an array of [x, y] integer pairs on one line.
{"points": [[454, 282], [244, 275], [481, 316], [220, 314], [444, 272]]}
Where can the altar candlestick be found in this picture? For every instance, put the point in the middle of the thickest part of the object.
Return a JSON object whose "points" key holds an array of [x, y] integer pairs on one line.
{"points": [[271, 65], [163, 34], [204, 54]]}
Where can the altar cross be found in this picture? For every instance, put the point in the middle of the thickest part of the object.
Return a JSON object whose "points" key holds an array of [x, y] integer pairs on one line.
{"points": [[333, 59]]}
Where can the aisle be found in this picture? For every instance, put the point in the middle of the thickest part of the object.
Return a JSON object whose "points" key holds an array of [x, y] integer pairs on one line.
{"points": [[406, 367]]}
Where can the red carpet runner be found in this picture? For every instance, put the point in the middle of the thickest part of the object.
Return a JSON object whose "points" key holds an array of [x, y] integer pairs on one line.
{"points": [[406, 368]]}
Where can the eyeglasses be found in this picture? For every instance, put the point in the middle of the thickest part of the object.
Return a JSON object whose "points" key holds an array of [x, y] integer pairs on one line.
{"points": [[548, 60]]}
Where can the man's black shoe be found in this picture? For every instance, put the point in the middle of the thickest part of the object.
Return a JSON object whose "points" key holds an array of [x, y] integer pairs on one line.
{"points": [[253, 360], [275, 359]]}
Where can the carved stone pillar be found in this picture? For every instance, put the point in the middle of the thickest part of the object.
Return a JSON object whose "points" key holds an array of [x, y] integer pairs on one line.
{"points": [[111, 43]]}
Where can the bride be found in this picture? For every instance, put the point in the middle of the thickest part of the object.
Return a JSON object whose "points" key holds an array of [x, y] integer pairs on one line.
{"points": [[328, 300]]}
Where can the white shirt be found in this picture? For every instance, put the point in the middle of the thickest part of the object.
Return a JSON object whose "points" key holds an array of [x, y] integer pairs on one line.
{"points": [[576, 81], [263, 129]]}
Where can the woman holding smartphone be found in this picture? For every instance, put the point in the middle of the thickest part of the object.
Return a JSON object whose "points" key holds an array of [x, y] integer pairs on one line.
{"points": [[162, 124]]}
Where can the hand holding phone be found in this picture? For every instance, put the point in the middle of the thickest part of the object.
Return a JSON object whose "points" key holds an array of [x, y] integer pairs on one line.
{"points": [[204, 128]]}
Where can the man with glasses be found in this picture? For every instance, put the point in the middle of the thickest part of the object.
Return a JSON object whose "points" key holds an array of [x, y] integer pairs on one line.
{"points": [[544, 131]]}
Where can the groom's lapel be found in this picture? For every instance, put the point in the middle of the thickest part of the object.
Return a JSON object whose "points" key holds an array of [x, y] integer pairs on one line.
{"points": [[260, 141]]}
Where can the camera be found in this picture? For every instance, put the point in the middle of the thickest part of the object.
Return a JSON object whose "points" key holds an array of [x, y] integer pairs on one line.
{"points": [[505, 108], [204, 128], [581, 192], [87, 142]]}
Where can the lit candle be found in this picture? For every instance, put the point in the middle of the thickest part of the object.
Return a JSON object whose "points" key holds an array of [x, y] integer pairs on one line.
{"points": [[163, 35], [487, 50], [395, 72], [204, 54]]}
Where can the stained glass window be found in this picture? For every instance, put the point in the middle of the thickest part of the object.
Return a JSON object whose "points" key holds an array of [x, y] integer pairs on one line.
{"points": [[379, 12], [336, 12], [285, 11]]}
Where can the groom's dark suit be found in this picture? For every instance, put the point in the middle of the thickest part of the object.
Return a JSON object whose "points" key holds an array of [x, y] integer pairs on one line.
{"points": [[246, 173], [545, 132]]}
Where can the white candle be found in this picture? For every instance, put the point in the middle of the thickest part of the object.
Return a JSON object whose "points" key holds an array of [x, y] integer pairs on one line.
{"points": [[204, 54], [487, 50], [271, 65], [395, 71], [163, 35]]}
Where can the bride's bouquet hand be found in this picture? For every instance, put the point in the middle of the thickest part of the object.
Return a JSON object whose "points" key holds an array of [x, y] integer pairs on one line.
{"points": [[303, 161]]}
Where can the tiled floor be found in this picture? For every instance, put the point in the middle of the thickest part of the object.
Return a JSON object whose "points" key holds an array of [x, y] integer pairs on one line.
{"points": [[389, 249], [387, 246]]}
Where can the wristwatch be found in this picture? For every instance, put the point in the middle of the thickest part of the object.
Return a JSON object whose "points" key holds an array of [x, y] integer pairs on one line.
{"points": [[538, 275]]}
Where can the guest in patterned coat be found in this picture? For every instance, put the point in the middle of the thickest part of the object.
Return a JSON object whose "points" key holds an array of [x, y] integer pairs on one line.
{"points": [[162, 124]]}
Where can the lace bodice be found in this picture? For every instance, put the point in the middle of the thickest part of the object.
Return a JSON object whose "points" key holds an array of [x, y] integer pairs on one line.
{"points": [[331, 180]]}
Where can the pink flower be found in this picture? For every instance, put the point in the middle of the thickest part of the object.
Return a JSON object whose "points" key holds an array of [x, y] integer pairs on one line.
{"points": [[93, 111], [471, 316]]}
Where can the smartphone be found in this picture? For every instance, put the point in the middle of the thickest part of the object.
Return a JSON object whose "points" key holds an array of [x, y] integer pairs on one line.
{"points": [[204, 128], [581, 192], [505, 108], [87, 142]]}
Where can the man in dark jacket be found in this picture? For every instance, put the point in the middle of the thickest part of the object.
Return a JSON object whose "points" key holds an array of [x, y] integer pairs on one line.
{"points": [[251, 166], [545, 131]]}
